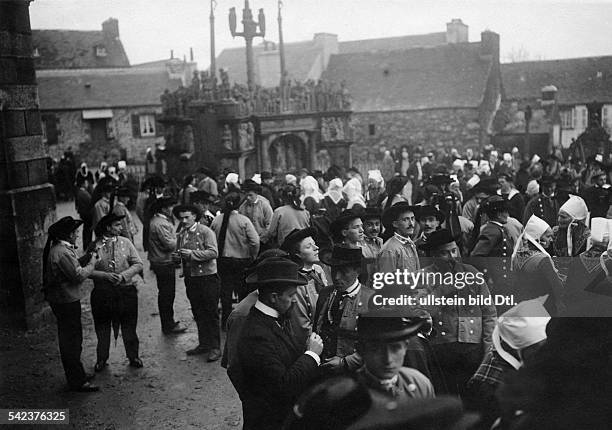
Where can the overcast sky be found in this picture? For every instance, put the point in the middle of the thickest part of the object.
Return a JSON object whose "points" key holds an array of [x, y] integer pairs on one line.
{"points": [[149, 29]]}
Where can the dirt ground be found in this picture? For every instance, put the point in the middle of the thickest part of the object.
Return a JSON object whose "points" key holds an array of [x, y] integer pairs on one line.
{"points": [[172, 391]]}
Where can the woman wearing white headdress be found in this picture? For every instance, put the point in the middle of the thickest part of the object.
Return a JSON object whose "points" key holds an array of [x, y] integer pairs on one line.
{"points": [[333, 200], [311, 195], [535, 274], [571, 235]]}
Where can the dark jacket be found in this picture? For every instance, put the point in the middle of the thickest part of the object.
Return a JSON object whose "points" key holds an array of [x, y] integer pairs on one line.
{"points": [[276, 371]]}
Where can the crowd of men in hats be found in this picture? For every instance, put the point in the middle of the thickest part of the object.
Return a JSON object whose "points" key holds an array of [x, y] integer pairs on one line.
{"points": [[315, 338]]}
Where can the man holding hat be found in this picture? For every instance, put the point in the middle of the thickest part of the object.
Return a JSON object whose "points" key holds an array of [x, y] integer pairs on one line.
{"points": [[276, 369], [114, 299], [256, 207], [399, 252], [301, 247], [463, 331], [62, 279], [162, 243], [382, 342], [128, 228], [338, 309], [197, 248]]}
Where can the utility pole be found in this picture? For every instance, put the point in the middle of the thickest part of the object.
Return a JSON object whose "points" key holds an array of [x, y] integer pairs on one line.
{"points": [[281, 51]]}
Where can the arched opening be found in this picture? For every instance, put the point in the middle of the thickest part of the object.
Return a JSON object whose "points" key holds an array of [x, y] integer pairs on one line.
{"points": [[287, 154]]}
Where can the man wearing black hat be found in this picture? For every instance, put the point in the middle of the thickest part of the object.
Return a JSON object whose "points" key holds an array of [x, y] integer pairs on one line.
{"points": [[114, 299], [62, 279], [399, 252], [267, 180], [462, 332], [162, 243], [382, 342], [597, 196], [256, 207], [197, 248], [128, 228], [484, 189], [430, 219], [516, 204], [544, 205], [204, 201], [276, 369], [301, 247], [338, 309], [494, 239]]}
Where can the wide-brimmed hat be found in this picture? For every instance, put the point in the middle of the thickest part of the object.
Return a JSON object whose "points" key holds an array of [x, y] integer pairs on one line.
{"points": [[494, 204], [162, 202], [201, 196], [440, 179], [296, 236], [276, 271], [152, 183], [184, 208], [388, 325], [123, 191], [106, 185], [266, 175], [251, 185], [371, 212], [340, 223], [106, 221], [343, 256], [64, 227], [391, 214], [547, 180], [430, 210], [436, 239], [487, 185]]}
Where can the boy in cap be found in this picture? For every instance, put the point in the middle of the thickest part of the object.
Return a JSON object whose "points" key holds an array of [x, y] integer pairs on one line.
{"points": [[62, 279], [197, 248], [162, 243], [276, 369], [382, 343], [114, 299], [338, 309]]}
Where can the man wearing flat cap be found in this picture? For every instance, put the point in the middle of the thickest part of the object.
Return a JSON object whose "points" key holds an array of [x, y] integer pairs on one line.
{"points": [[114, 299], [197, 248], [338, 309], [301, 247], [462, 331], [276, 369], [62, 279], [162, 243], [382, 343], [399, 252]]}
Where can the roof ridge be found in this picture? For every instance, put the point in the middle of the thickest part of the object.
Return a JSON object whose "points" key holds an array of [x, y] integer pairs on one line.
{"points": [[557, 59]]}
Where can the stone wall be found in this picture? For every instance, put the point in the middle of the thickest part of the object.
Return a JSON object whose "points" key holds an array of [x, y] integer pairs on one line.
{"points": [[435, 128], [76, 133], [27, 200]]}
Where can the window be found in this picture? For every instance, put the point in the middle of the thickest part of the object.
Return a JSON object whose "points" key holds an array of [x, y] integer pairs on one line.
{"points": [[100, 51], [581, 121], [50, 130], [372, 129], [567, 118], [146, 125]]}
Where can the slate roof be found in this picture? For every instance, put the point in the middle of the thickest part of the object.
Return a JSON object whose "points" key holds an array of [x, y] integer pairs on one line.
{"points": [[108, 88], [445, 76], [68, 49], [392, 43], [299, 59], [576, 79]]}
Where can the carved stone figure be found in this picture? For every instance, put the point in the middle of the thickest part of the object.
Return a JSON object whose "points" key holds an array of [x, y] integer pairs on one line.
{"points": [[243, 137], [251, 135], [226, 138]]}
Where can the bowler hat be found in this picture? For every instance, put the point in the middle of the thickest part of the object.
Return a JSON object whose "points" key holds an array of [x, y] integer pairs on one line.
{"points": [[296, 236], [437, 239], [62, 228], [340, 223], [343, 256], [388, 325], [275, 271], [430, 210], [391, 214], [106, 221], [494, 204], [371, 212], [186, 208]]}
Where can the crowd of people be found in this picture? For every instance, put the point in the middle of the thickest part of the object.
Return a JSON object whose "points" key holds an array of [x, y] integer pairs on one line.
{"points": [[307, 275]]}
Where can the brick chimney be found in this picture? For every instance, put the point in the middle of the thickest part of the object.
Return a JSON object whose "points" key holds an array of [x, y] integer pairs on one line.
{"points": [[489, 45], [456, 31], [110, 28]]}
